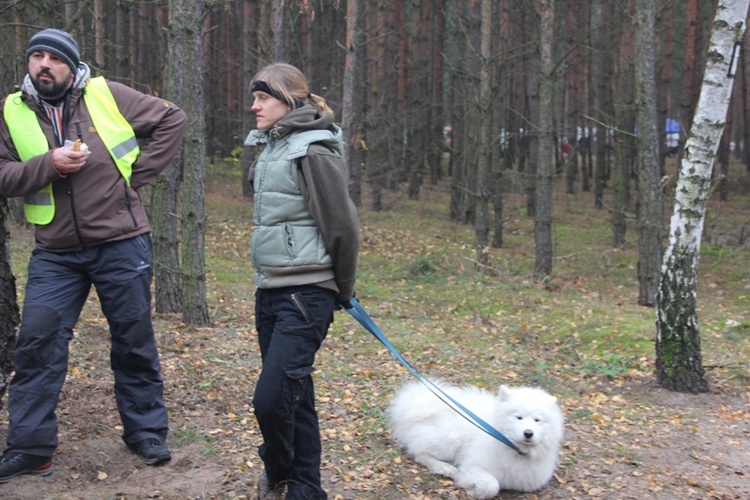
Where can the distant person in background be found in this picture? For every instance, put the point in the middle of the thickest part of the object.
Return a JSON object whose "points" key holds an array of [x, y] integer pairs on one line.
{"points": [[304, 251], [69, 145]]}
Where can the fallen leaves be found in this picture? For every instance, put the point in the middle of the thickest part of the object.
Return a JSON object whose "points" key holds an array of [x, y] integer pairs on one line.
{"points": [[625, 437]]}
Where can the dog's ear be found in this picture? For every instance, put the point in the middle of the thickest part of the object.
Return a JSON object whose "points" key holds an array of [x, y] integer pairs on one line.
{"points": [[504, 393]]}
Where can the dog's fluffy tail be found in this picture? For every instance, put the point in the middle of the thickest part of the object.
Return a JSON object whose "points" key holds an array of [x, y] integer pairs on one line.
{"points": [[417, 418], [414, 403]]}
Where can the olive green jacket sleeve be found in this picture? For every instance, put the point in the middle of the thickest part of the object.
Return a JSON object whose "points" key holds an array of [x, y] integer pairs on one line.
{"points": [[325, 187]]}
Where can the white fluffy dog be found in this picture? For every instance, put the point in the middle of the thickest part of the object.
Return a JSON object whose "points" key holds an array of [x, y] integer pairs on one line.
{"points": [[446, 443]]}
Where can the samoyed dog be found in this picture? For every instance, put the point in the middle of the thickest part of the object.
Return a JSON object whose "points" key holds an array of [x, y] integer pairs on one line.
{"points": [[447, 444]]}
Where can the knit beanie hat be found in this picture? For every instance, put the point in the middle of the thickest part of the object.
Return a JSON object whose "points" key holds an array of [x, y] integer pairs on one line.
{"points": [[57, 42]]}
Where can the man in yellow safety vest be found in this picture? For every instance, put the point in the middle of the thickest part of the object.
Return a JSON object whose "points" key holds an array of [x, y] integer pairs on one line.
{"points": [[78, 149]]}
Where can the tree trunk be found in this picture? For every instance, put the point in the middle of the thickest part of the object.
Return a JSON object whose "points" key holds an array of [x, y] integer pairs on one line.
{"points": [[598, 77], [484, 114], [143, 58], [248, 69], [379, 107], [625, 119], [168, 292], [9, 316], [133, 41], [745, 106], [664, 89], [264, 48], [502, 158], [650, 203], [168, 289], [348, 112], [278, 11], [101, 34], [543, 217], [691, 72], [401, 167], [454, 109], [584, 127], [678, 355], [722, 158], [122, 21], [572, 106], [187, 30], [420, 89], [530, 139], [437, 109]]}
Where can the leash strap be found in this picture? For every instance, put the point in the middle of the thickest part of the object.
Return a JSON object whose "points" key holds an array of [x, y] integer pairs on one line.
{"points": [[358, 313]]}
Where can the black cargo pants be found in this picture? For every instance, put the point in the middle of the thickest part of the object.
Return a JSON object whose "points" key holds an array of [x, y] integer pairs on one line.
{"points": [[292, 323], [57, 288]]}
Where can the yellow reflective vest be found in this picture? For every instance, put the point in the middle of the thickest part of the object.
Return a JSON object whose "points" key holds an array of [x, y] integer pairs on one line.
{"points": [[29, 140]]}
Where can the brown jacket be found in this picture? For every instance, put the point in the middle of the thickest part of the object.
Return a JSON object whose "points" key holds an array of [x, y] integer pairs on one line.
{"points": [[94, 205]]}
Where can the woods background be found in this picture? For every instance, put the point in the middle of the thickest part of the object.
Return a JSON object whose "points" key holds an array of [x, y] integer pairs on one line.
{"points": [[455, 93], [494, 96], [416, 76]]}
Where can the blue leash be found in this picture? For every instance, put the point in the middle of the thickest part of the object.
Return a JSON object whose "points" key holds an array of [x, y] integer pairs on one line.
{"points": [[358, 313]]}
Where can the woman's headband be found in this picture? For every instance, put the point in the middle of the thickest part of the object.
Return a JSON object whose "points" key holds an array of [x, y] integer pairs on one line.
{"points": [[261, 86]]}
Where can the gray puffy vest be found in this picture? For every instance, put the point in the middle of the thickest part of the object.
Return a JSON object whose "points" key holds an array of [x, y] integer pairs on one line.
{"points": [[286, 246]]}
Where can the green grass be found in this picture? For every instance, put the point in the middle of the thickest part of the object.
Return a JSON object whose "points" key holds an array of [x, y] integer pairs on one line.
{"points": [[422, 266], [187, 435], [417, 266], [579, 334]]}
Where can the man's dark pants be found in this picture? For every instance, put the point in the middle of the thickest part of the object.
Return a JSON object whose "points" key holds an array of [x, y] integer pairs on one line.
{"points": [[292, 323], [57, 288]]}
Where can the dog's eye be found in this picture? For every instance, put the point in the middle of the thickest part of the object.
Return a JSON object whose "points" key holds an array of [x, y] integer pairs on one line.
{"points": [[519, 417], [537, 420]]}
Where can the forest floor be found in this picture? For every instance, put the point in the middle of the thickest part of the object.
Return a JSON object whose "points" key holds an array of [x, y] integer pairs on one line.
{"points": [[580, 335]]}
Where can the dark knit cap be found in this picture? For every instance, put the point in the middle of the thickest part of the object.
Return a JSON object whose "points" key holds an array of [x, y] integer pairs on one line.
{"points": [[57, 42]]}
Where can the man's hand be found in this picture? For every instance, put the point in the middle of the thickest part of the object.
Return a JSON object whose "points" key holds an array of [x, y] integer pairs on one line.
{"points": [[67, 162]]}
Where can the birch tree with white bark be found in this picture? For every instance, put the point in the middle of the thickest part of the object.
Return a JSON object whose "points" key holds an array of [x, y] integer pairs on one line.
{"points": [[678, 352]]}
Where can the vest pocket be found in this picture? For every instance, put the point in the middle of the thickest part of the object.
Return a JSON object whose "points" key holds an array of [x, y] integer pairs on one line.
{"points": [[289, 239]]}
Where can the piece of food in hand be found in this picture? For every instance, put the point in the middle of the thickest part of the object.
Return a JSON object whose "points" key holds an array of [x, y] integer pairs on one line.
{"points": [[80, 146]]}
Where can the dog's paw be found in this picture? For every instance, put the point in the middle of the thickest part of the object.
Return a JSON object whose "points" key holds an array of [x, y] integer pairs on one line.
{"points": [[437, 466], [478, 483], [483, 491]]}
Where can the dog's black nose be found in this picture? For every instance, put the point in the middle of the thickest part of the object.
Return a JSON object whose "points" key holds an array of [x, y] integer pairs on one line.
{"points": [[528, 434]]}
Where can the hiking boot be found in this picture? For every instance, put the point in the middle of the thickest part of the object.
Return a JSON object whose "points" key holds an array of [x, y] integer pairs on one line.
{"points": [[15, 464], [267, 492], [151, 451]]}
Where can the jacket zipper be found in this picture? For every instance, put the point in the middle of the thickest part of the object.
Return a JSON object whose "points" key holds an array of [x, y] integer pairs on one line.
{"points": [[127, 203], [71, 197]]}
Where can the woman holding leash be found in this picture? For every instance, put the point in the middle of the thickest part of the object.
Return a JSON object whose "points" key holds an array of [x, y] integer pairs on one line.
{"points": [[304, 252]]}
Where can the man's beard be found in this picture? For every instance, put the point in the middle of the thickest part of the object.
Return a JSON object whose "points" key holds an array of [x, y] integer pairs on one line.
{"points": [[53, 89]]}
